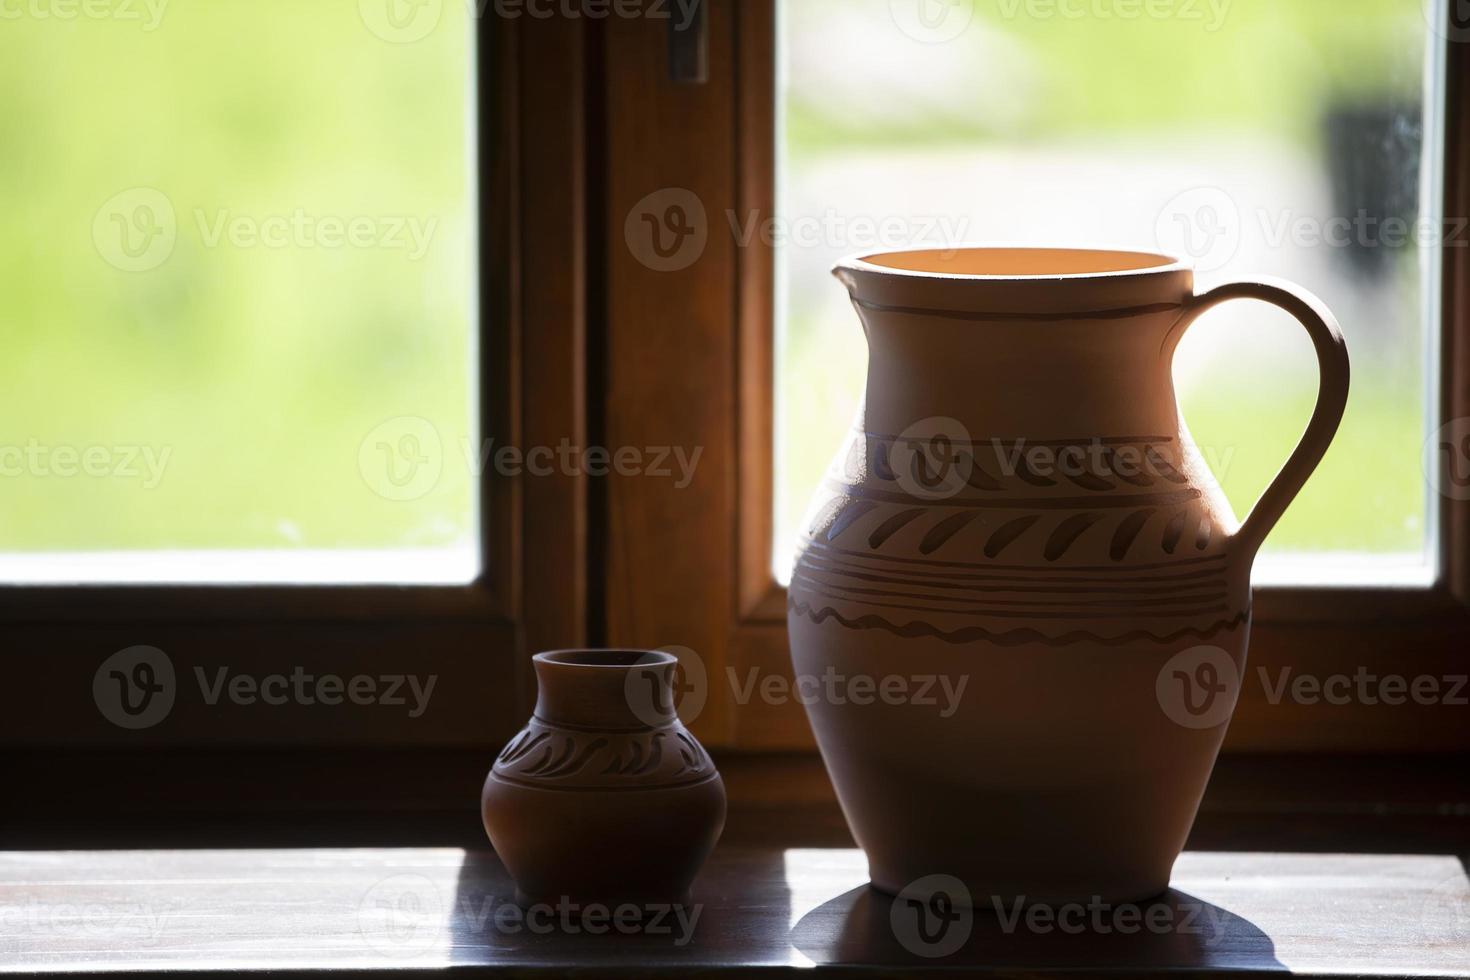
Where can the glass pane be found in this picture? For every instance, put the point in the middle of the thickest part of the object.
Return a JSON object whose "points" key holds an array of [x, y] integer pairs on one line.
{"points": [[1247, 136], [239, 239]]}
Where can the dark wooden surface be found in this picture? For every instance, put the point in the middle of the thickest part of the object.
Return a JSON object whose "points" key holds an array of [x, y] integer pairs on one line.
{"points": [[1329, 865], [757, 908]]}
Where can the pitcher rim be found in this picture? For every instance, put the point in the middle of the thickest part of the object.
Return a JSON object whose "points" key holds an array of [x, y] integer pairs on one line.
{"points": [[1165, 264]]}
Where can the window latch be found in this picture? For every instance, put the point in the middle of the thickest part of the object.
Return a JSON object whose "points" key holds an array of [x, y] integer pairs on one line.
{"points": [[688, 44]]}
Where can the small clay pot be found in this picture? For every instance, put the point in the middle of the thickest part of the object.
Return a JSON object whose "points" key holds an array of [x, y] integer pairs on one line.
{"points": [[604, 797]]}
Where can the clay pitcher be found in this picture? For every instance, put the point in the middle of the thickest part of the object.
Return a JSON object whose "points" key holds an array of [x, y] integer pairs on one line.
{"points": [[1026, 570]]}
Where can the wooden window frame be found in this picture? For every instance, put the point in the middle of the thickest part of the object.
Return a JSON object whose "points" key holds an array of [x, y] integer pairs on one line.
{"points": [[578, 121], [476, 638], [693, 565]]}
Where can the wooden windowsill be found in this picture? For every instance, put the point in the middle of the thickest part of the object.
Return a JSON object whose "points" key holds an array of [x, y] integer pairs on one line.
{"points": [[1334, 866], [754, 909]]}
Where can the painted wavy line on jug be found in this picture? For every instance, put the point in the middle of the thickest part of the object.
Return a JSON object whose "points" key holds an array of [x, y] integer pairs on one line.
{"points": [[983, 584], [1008, 638], [1184, 607]]}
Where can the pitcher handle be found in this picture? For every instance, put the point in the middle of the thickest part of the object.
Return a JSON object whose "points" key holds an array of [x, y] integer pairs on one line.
{"points": [[1332, 389]]}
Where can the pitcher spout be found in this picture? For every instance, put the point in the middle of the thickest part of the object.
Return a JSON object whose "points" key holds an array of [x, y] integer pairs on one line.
{"points": [[982, 337]]}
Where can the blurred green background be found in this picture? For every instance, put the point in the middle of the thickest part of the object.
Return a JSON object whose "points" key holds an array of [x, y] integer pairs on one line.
{"points": [[259, 368], [270, 375], [1084, 121]]}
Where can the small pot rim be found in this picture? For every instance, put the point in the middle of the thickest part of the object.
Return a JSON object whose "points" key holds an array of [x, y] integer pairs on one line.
{"points": [[605, 658]]}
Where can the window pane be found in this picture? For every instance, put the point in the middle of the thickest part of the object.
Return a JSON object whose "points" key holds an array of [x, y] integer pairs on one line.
{"points": [[239, 241], [1247, 136]]}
